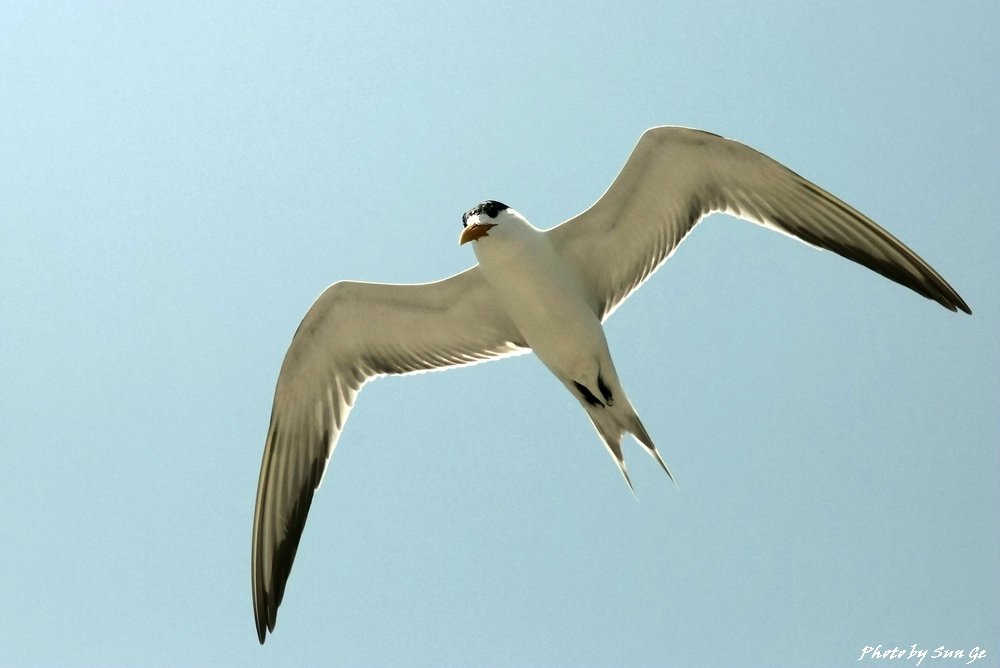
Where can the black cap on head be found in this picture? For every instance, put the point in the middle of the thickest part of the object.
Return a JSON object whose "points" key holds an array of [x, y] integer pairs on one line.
{"points": [[490, 207]]}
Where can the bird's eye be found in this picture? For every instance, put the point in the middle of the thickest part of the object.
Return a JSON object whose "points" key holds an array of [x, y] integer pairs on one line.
{"points": [[491, 211], [464, 224]]}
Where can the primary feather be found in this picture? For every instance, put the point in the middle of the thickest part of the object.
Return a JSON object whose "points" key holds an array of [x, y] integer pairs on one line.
{"points": [[677, 176]]}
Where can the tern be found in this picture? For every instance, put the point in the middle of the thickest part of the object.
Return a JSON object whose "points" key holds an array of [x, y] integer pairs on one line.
{"points": [[546, 292]]}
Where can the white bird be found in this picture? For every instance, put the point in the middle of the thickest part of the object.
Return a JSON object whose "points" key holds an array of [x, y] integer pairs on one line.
{"points": [[533, 290]]}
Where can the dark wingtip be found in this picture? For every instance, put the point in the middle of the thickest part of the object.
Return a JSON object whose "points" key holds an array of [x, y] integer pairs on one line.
{"points": [[951, 301], [269, 588], [260, 618], [945, 294]]}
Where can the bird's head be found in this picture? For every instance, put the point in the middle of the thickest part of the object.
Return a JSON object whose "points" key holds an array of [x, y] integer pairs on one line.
{"points": [[479, 220]]}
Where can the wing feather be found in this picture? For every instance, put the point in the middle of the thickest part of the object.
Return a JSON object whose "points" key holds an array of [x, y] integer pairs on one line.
{"points": [[677, 176], [355, 332]]}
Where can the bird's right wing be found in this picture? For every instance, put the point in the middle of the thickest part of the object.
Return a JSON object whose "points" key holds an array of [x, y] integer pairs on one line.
{"points": [[677, 176], [355, 332]]}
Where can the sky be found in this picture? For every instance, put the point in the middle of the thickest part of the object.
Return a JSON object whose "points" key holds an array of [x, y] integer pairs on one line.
{"points": [[179, 181]]}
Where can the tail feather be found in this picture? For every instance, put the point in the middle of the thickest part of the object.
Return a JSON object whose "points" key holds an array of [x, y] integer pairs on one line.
{"points": [[612, 424], [613, 442], [641, 435]]}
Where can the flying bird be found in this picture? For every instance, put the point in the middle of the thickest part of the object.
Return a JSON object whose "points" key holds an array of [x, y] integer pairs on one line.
{"points": [[546, 291]]}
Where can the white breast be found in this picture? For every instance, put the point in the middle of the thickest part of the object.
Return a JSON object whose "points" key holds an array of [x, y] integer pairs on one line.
{"points": [[543, 297]]}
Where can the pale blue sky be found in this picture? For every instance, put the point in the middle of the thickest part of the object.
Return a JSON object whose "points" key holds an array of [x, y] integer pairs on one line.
{"points": [[178, 182]]}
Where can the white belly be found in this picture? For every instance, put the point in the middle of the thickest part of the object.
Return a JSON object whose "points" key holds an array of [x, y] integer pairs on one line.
{"points": [[547, 303]]}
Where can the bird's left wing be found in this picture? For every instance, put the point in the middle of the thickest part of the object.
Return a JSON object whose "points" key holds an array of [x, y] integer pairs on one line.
{"points": [[355, 332], [677, 176]]}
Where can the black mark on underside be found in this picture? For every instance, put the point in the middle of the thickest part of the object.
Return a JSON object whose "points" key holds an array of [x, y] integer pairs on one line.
{"points": [[605, 390], [587, 395]]}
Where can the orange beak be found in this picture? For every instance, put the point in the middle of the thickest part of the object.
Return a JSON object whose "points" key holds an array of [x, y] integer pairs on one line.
{"points": [[475, 231]]}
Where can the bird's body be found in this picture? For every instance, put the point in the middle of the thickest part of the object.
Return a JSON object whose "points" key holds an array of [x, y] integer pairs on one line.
{"points": [[559, 321], [540, 294], [543, 291]]}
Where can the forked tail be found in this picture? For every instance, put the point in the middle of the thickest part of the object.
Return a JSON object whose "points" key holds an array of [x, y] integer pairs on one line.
{"points": [[612, 423]]}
